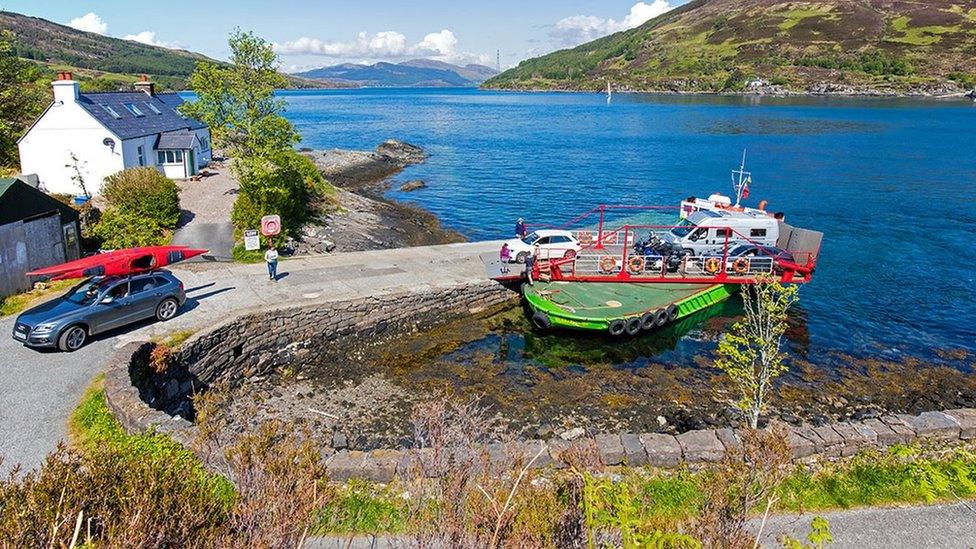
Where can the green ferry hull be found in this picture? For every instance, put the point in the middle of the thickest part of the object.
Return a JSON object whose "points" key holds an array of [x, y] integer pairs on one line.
{"points": [[594, 305]]}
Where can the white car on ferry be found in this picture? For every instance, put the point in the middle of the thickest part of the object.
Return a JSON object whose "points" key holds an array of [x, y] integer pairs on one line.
{"points": [[552, 243]]}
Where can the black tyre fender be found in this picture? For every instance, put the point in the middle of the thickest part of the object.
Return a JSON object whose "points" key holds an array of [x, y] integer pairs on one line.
{"points": [[633, 326], [660, 318], [647, 321], [672, 312], [541, 320], [617, 327]]}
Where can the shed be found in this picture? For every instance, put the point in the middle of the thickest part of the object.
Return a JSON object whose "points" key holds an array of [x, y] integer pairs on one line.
{"points": [[36, 230]]}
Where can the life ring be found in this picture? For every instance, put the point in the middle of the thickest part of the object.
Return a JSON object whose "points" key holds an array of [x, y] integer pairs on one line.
{"points": [[636, 264], [713, 265], [608, 264], [740, 266], [585, 238], [617, 327], [633, 326], [541, 320]]}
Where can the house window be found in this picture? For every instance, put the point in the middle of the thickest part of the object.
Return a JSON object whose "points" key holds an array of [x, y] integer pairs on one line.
{"points": [[179, 156], [153, 108], [142, 157], [111, 111], [131, 107], [160, 157], [204, 144]]}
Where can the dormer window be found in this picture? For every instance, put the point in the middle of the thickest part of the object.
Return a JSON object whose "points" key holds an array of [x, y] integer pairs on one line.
{"points": [[131, 107], [153, 108], [111, 111]]}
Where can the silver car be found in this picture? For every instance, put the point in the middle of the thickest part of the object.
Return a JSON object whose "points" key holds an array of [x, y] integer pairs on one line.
{"points": [[98, 305]]}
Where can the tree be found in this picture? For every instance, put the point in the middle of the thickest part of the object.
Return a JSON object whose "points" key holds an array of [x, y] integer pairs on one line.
{"points": [[21, 99], [238, 102], [751, 352]]}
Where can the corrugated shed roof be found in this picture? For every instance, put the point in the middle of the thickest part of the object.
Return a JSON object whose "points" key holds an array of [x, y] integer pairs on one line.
{"points": [[180, 139], [136, 114]]}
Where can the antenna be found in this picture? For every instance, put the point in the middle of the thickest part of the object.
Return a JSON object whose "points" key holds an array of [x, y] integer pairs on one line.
{"points": [[742, 181]]}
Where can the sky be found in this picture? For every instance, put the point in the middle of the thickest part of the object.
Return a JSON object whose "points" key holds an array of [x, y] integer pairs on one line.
{"points": [[309, 35]]}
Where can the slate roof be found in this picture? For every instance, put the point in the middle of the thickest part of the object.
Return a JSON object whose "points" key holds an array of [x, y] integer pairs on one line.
{"points": [[20, 201], [180, 139], [128, 125]]}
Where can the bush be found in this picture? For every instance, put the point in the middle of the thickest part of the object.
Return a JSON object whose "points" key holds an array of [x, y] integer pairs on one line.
{"points": [[123, 229], [146, 192], [282, 185]]}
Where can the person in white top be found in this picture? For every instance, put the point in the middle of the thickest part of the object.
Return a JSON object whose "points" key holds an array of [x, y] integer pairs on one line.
{"points": [[271, 258]]}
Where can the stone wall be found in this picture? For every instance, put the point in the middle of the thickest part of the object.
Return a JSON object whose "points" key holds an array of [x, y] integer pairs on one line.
{"points": [[255, 344]]}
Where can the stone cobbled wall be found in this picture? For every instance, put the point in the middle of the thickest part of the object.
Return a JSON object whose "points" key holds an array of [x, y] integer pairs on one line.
{"points": [[254, 344]]}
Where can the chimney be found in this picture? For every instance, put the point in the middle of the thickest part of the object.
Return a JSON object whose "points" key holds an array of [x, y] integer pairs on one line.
{"points": [[65, 89], [145, 86]]}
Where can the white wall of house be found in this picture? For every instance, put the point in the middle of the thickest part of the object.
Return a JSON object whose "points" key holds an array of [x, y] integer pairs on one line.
{"points": [[130, 151], [64, 129]]}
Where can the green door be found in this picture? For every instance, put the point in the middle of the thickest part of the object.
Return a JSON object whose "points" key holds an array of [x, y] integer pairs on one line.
{"points": [[192, 167]]}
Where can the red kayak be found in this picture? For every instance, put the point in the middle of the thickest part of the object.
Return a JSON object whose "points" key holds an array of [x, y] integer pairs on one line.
{"points": [[119, 262]]}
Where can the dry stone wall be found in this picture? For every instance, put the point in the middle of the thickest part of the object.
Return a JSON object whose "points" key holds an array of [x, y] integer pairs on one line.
{"points": [[255, 344]]}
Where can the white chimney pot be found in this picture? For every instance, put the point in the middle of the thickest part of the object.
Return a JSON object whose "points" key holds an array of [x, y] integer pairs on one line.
{"points": [[65, 91]]}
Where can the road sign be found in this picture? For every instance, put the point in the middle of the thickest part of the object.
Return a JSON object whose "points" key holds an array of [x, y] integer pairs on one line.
{"points": [[251, 240], [270, 225]]}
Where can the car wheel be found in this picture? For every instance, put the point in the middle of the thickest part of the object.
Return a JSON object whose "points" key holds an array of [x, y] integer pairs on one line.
{"points": [[73, 338], [167, 309], [570, 254], [520, 258], [689, 252]]}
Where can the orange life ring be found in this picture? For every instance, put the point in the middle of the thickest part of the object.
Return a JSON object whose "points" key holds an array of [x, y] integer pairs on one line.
{"points": [[635, 264], [608, 264], [610, 238], [740, 266], [585, 238], [712, 265]]}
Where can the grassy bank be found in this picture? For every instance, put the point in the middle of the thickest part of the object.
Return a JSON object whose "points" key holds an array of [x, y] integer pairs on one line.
{"points": [[14, 304]]}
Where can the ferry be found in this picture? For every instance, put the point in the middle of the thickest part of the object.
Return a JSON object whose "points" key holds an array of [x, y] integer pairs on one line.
{"points": [[624, 278]]}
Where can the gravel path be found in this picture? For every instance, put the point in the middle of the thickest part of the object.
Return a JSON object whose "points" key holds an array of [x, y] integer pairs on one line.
{"points": [[38, 390], [205, 219]]}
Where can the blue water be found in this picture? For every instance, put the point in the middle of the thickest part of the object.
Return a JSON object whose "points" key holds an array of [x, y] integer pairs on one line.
{"points": [[891, 183]]}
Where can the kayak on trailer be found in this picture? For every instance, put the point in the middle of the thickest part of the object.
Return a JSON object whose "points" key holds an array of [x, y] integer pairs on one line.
{"points": [[122, 262], [617, 308]]}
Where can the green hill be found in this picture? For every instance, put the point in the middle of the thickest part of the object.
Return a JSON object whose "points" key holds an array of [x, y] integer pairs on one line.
{"points": [[103, 62], [841, 46]]}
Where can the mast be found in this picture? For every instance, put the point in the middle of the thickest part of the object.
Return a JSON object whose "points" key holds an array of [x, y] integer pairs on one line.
{"points": [[743, 179]]}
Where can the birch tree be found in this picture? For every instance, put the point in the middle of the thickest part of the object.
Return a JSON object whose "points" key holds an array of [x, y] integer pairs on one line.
{"points": [[751, 352]]}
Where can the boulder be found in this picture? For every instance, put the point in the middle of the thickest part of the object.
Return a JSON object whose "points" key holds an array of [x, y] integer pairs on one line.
{"points": [[635, 454], [611, 449], [413, 185], [966, 418], [346, 465], [662, 450], [701, 445], [933, 426], [401, 152], [381, 465], [886, 436]]}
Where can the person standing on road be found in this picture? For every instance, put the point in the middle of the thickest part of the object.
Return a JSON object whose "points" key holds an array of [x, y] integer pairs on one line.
{"points": [[520, 230], [505, 257], [529, 265], [271, 258]]}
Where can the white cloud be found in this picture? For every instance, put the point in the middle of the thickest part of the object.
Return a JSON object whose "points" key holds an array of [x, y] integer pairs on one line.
{"points": [[384, 46], [574, 30], [149, 37], [90, 22]]}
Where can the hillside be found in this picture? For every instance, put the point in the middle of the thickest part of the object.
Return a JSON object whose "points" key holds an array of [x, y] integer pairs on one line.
{"points": [[102, 62], [828, 46], [419, 73]]}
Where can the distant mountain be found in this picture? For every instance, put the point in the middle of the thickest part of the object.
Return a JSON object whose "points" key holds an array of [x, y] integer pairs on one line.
{"points": [[417, 73], [103, 60], [822, 46]]}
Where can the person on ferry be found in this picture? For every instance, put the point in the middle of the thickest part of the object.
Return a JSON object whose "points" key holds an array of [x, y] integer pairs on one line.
{"points": [[520, 230]]}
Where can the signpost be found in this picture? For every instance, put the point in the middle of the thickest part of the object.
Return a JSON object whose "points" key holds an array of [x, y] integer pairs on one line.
{"points": [[251, 240]]}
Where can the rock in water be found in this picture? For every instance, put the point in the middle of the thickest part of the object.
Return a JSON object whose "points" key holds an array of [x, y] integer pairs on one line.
{"points": [[401, 152], [413, 185]]}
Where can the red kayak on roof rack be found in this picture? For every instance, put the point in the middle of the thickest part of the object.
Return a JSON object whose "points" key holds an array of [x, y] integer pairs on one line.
{"points": [[119, 262]]}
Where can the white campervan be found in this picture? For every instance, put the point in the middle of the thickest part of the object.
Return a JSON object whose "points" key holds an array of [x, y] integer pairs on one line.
{"points": [[706, 231]]}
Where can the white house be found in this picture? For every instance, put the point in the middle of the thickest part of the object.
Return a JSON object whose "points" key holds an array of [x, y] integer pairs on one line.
{"points": [[101, 133]]}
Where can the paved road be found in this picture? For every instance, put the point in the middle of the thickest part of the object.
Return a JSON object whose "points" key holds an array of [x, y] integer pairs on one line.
{"points": [[38, 390], [947, 526]]}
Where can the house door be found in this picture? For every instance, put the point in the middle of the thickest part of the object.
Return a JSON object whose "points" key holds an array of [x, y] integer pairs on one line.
{"points": [[191, 168]]}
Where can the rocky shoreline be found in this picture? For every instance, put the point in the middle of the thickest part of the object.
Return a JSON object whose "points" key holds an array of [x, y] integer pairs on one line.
{"points": [[364, 219]]}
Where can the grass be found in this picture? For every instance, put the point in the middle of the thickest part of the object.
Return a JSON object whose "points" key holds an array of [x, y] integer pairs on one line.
{"points": [[92, 427], [794, 17], [16, 303], [918, 36], [173, 340], [241, 255]]}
